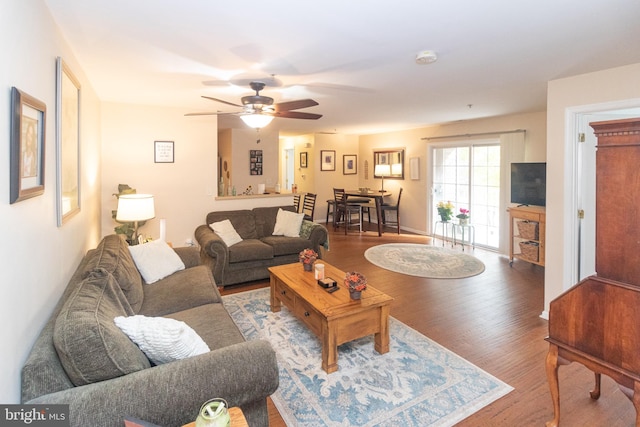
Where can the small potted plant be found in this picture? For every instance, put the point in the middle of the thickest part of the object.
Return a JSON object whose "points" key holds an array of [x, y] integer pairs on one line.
{"points": [[355, 283], [463, 216], [445, 210], [307, 258]]}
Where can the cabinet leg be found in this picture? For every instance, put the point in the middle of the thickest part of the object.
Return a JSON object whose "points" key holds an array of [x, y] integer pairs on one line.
{"points": [[595, 393], [552, 378]]}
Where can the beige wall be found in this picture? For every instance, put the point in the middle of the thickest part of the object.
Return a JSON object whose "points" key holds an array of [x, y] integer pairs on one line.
{"points": [[415, 192], [588, 92], [37, 257], [183, 191]]}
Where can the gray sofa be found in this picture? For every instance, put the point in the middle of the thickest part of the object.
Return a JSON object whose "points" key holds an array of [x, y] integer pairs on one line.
{"points": [[250, 259], [82, 359]]}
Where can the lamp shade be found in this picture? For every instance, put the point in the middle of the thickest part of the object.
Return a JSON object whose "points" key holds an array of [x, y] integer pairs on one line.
{"points": [[256, 120], [135, 207], [382, 170]]}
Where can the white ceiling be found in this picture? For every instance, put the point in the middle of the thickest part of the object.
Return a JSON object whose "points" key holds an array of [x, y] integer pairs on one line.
{"points": [[355, 57]]}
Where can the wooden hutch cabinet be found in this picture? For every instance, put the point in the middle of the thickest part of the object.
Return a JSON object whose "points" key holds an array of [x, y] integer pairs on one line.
{"points": [[597, 322]]}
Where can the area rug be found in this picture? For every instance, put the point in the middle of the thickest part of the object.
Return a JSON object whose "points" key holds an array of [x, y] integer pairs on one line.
{"points": [[417, 383], [424, 260]]}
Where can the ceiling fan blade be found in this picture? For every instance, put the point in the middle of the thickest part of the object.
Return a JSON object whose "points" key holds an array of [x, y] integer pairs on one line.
{"points": [[223, 101], [295, 105], [297, 115], [209, 114]]}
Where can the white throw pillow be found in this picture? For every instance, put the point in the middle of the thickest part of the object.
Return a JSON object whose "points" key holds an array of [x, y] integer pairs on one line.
{"points": [[163, 340], [155, 260], [288, 224], [227, 233]]}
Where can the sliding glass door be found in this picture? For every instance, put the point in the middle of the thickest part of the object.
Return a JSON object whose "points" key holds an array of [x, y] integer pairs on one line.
{"points": [[469, 177]]}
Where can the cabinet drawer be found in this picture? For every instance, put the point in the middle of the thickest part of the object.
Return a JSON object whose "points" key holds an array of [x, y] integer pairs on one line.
{"points": [[309, 316], [285, 294]]}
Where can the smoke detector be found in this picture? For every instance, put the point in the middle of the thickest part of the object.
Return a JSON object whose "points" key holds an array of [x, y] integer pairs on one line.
{"points": [[426, 57]]}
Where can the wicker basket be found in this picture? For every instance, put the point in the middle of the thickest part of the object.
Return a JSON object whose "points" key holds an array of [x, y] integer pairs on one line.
{"points": [[528, 230], [529, 251]]}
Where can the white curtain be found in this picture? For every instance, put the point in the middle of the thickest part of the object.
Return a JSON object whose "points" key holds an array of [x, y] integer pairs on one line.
{"points": [[511, 150]]}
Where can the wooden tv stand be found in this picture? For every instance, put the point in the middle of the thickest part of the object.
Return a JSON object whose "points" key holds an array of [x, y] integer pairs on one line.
{"points": [[522, 246]]}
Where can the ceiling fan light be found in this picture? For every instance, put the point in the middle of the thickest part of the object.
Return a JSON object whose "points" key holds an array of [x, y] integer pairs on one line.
{"points": [[256, 120]]}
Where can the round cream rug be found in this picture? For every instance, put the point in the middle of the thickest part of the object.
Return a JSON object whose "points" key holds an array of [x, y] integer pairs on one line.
{"points": [[424, 261]]}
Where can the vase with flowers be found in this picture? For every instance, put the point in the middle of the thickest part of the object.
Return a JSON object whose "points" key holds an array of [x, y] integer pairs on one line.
{"points": [[307, 258], [445, 210], [355, 283], [463, 216]]}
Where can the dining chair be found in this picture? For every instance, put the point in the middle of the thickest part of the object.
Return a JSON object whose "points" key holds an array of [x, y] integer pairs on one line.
{"points": [[396, 207], [309, 206], [296, 202], [344, 211]]}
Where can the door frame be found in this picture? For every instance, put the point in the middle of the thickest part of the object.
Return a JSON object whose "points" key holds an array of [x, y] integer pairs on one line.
{"points": [[577, 121]]}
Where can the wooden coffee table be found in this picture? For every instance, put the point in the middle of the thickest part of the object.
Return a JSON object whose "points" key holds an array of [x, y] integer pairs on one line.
{"points": [[332, 317]]}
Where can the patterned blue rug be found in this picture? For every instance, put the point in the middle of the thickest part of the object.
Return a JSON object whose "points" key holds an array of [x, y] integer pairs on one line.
{"points": [[424, 260], [417, 383]]}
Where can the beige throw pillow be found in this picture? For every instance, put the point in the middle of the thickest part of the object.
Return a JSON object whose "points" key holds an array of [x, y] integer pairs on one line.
{"points": [[288, 224], [156, 260], [227, 233]]}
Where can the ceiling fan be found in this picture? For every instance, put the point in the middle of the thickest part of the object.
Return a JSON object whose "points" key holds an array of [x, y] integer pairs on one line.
{"points": [[258, 110]]}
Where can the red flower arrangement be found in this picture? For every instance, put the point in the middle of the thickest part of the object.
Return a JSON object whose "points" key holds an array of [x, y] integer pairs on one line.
{"points": [[308, 256], [355, 281]]}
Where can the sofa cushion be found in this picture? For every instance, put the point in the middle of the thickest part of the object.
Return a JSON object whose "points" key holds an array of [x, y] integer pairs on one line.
{"points": [[227, 233], [113, 255], [287, 224], [184, 289], [155, 260], [90, 346], [162, 340], [243, 221], [212, 323], [286, 245], [250, 250]]}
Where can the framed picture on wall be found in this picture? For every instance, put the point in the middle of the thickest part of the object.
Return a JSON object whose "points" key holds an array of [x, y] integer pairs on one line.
{"points": [[327, 160], [255, 162], [303, 159], [67, 142], [27, 146], [163, 152], [349, 164]]}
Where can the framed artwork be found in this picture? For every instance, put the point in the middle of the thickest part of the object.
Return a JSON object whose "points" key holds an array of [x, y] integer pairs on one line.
{"points": [[328, 160], [414, 168], [27, 146], [67, 142], [163, 152], [349, 164], [255, 162], [303, 159]]}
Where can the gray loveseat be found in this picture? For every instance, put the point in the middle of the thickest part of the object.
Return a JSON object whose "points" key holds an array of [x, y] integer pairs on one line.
{"points": [[104, 377], [250, 259]]}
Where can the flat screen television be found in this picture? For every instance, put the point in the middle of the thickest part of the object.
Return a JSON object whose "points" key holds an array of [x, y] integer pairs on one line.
{"points": [[529, 184]]}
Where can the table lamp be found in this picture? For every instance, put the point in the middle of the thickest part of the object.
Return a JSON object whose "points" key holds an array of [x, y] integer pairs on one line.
{"points": [[382, 171], [134, 208]]}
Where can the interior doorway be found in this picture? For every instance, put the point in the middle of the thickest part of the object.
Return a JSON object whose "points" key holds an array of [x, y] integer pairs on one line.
{"points": [[585, 186]]}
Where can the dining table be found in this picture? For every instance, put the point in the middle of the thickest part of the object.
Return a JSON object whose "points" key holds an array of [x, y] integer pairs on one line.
{"points": [[377, 196]]}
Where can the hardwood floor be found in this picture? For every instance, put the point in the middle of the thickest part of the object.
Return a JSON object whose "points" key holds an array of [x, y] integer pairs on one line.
{"points": [[492, 320]]}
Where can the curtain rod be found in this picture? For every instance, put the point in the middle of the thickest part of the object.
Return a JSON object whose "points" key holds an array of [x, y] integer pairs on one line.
{"points": [[429, 138]]}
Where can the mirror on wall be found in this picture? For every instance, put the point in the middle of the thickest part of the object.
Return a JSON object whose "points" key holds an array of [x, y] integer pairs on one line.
{"points": [[388, 163]]}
